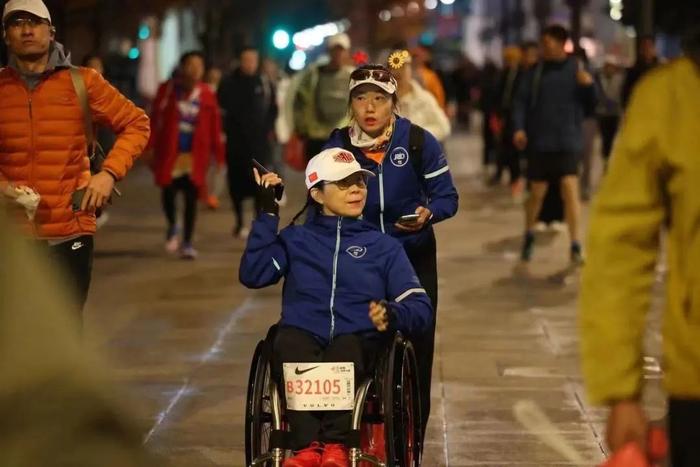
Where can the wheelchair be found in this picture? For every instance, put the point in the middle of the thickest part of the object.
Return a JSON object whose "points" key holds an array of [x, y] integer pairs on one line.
{"points": [[386, 418]]}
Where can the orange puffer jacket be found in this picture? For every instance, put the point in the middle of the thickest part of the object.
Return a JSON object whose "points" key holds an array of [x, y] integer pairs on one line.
{"points": [[43, 143]]}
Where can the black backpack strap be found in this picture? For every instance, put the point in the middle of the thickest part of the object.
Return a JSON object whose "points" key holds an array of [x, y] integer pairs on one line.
{"points": [[416, 141]]}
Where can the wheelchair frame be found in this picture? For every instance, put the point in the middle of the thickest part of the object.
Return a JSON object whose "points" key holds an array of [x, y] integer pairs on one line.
{"points": [[390, 398]]}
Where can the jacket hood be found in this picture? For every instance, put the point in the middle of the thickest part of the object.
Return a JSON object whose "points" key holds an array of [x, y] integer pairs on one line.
{"points": [[58, 58]]}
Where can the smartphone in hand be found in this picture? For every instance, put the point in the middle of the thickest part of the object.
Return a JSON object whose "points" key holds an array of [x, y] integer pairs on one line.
{"points": [[408, 219], [262, 170]]}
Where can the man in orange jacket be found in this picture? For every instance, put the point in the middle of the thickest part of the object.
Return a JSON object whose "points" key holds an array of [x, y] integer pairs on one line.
{"points": [[43, 144]]}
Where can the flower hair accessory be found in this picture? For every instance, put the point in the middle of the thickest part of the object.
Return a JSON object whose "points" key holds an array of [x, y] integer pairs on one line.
{"points": [[398, 59]]}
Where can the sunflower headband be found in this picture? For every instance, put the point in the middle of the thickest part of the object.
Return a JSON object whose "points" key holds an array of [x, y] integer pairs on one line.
{"points": [[398, 59]]}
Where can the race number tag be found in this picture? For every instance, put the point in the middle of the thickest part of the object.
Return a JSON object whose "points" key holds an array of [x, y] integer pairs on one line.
{"points": [[319, 386]]}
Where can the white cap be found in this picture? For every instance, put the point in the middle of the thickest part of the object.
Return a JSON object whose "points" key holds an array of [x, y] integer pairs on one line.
{"points": [[340, 39], [332, 165], [35, 7]]}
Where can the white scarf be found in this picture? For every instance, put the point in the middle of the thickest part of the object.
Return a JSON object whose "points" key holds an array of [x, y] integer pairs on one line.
{"points": [[362, 140]]}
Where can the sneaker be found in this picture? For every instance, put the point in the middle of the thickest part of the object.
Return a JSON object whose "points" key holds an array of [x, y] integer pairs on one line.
{"points": [[307, 457], [528, 246], [557, 227], [334, 455], [241, 232], [172, 244], [213, 202], [188, 252], [576, 255]]}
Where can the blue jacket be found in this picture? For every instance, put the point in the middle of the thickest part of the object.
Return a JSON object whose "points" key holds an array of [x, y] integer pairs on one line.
{"points": [[398, 190], [333, 268], [550, 106]]}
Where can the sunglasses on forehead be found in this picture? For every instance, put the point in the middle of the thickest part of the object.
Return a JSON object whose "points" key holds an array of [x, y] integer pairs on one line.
{"points": [[20, 21], [382, 76]]}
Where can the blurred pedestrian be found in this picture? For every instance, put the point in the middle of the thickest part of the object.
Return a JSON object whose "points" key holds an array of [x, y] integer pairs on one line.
{"points": [[646, 60], [249, 107], [650, 193], [215, 184], [320, 103], [426, 76], [488, 104], [465, 79], [57, 405], [186, 133], [547, 115], [590, 129], [609, 109], [415, 103], [44, 140], [279, 80], [501, 123]]}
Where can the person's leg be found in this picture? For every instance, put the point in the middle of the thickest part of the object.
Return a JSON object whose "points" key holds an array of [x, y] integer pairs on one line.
{"points": [[73, 260], [293, 345], [236, 200], [191, 192], [683, 416], [336, 425], [572, 212], [533, 205], [168, 203], [423, 257]]}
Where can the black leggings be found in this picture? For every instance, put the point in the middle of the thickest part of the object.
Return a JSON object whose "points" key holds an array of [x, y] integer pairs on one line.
{"points": [[73, 261], [185, 185], [423, 257], [294, 345]]}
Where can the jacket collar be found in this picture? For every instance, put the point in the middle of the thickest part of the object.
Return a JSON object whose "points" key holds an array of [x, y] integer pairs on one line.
{"points": [[320, 222]]}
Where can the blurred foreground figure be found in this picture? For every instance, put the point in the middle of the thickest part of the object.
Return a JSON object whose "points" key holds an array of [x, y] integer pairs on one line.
{"points": [[56, 408], [652, 183]]}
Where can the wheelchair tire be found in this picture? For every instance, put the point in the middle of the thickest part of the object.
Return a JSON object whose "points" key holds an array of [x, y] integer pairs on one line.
{"points": [[402, 417], [258, 424]]}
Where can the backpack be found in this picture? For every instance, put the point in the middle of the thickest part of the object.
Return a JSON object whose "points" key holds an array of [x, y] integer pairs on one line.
{"points": [[416, 141]]}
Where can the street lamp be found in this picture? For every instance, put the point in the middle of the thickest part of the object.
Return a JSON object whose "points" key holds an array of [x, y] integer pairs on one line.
{"points": [[280, 39]]}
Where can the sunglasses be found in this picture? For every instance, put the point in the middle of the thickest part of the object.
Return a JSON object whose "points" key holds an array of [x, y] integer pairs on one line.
{"points": [[383, 76], [19, 22], [358, 179]]}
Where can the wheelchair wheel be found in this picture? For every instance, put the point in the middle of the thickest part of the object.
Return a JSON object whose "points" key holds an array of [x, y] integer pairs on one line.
{"points": [[402, 415], [258, 424]]}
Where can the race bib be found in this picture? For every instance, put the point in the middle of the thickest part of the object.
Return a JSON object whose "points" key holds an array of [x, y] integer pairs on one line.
{"points": [[319, 386]]}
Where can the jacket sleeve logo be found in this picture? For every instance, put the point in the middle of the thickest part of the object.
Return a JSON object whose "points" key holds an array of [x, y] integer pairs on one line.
{"points": [[357, 252], [399, 157]]}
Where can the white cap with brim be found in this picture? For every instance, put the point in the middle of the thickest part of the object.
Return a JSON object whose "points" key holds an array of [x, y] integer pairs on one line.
{"points": [[34, 7], [339, 40], [332, 165]]}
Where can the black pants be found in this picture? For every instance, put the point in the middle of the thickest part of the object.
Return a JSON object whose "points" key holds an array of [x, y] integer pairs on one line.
{"points": [[683, 420], [608, 129], [73, 261], [423, 257], [294, 345], [169, 194], [508, 157]]}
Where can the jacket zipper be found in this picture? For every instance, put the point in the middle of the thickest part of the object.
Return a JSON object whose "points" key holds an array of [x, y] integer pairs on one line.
{"points": [[32, 156], [381, 197], [335, 276]]}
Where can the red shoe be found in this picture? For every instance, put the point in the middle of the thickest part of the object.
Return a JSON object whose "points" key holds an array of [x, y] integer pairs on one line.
{"points": [[307, 457], [212, 202], [334, 455]]}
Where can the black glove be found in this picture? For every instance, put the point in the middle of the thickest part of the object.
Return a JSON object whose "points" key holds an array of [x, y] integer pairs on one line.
{"points": [[266, 200]]}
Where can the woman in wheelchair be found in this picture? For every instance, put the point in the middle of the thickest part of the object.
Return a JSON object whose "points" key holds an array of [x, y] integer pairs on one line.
{"points": [[346, 285]]}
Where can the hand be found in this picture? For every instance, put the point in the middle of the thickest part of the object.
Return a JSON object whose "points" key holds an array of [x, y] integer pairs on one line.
{"points": [[267, 180], [424, 216], [520, 140], [98, 191], [627, 423], [378, 315], [584, 78]]}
